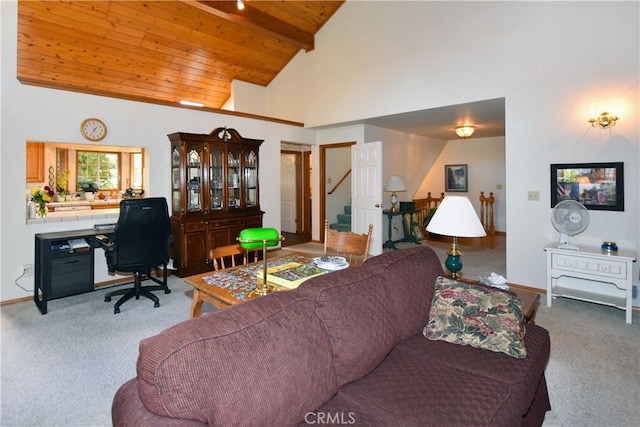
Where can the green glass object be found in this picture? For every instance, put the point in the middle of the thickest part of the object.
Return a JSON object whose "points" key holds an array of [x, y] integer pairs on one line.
{"points": [[453, 264], [256, 238]]}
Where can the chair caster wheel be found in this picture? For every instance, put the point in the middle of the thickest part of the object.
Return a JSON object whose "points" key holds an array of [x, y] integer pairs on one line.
{"points": [[107, 299], [156, 305], [116, 310], [168, 291]]}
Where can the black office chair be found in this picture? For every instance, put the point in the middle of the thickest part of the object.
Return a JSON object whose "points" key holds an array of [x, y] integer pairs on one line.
{"points": [[141, 242]]}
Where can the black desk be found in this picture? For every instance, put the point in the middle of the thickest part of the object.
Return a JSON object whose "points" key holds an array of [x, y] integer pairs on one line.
{"points": [[59, 270], [408, 234]]}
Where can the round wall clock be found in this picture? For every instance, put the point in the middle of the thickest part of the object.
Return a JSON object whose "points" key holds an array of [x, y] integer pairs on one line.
{"points": [[93, 129]]}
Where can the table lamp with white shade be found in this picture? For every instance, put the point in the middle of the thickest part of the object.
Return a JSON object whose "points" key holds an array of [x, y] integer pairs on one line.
{"points": [[394, 184], [456, 217]]}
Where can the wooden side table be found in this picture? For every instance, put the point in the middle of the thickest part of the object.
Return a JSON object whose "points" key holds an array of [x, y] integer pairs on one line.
{"points": [[530, 300], [390, 243], [604, 277]]}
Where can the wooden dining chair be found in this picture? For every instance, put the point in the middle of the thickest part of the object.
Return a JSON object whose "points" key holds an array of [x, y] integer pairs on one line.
{"points": [[229, 256], [353, 246]]}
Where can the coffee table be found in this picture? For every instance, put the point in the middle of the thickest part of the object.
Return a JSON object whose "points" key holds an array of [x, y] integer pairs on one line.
{"points": [[231, 286], [530, 300]]}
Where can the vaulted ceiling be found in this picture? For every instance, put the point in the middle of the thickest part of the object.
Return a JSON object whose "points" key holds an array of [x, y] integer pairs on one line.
{"points": [[167, 51], [163, 51]]}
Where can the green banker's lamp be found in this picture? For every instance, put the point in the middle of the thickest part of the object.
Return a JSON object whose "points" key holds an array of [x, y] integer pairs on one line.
{"points": [[455, 217], [256, 238]]}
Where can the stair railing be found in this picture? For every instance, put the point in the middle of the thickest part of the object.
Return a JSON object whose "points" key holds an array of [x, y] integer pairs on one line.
{"points": [[425, 208], [335, 187]]}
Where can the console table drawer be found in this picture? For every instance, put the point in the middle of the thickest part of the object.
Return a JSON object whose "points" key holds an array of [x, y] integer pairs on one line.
{"points": [[587, 265]]}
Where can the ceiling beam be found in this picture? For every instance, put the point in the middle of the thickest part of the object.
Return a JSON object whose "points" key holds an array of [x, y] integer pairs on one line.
{"points": [[256, 20]]}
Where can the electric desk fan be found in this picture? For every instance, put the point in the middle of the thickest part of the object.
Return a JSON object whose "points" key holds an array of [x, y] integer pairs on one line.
{"points": [[570, 218]]}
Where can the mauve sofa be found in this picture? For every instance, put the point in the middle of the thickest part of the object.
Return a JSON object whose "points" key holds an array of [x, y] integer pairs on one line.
{"points": [[344, 348]]}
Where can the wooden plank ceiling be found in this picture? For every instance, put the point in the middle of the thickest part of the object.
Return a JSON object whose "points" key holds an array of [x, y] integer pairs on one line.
{"points": [[163, 51]]}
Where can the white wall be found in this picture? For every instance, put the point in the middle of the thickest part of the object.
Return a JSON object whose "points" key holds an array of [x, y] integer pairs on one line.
{"points": [[549, 60], [485, 158], [31, 113], [247, 98]]}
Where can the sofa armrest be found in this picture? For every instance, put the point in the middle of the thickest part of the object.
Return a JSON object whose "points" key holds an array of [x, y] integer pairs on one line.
{"points": [[128, 410]]}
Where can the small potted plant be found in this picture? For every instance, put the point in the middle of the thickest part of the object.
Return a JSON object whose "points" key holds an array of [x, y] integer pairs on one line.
{"points": [[42, 196], [89, 188]]}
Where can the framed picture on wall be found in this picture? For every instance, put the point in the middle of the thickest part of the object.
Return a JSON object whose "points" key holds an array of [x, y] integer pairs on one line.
{"points": [[456, 178], [598, 186]]}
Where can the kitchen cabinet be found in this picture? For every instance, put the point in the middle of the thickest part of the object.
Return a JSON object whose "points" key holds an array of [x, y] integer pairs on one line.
{"points": [[214, 194], [35, 162]]}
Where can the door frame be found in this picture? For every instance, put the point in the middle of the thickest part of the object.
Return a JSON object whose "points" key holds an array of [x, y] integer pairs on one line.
{"points": [[323, 179], [303, 189]]}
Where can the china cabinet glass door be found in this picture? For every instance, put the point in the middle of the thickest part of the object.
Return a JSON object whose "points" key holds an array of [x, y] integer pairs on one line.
{"points": [[194, 181], [233, 178], [216, 176], [175, 179], [251, 179]]}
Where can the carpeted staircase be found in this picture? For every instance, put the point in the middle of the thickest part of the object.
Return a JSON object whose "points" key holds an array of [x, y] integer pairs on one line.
{"points": [[344, 220]]}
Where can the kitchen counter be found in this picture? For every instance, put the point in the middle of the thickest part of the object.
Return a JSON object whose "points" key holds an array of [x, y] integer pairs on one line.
{"points": [[80, 210]]}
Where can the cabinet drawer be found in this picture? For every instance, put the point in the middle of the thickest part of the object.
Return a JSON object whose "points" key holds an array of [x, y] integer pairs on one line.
{"points": [[190, 227], [71, 275], [254, 221], [229, 222], [586, 265]]}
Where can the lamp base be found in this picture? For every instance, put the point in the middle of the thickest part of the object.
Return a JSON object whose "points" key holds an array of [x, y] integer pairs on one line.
{"points": [[453, 263], [262, 290], [394, 202]]}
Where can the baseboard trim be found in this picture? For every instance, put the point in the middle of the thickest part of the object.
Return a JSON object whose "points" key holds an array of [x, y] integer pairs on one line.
{"points": [[108, 283]]}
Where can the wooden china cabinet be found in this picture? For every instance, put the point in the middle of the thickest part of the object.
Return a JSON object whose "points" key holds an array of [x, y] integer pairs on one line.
{"points": [[214, 194]]}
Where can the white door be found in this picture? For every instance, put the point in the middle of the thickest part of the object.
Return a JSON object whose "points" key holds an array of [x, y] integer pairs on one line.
{"points": [[288, 193], [366, 192]]}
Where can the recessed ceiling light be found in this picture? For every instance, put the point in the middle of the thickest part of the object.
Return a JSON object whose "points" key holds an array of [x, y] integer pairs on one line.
{"points": [[191, 103]]}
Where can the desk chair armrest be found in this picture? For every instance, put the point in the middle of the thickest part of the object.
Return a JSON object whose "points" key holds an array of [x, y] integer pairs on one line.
{"points": [[104, 242]]}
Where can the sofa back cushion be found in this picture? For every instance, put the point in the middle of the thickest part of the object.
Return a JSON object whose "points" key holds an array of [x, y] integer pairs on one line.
{"points": [[356, 315], [409, 278], [263, 362]]}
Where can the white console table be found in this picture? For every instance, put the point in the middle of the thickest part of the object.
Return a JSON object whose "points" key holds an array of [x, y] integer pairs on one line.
{"points": [[608, 274]]}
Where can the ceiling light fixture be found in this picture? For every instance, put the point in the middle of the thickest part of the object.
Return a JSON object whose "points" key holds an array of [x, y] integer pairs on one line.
{"points": [[240, 5], [465, 131], [191, 103]]}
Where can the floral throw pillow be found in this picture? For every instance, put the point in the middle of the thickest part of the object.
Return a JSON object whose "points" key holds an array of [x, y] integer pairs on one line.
{"points": [[478, 316]]}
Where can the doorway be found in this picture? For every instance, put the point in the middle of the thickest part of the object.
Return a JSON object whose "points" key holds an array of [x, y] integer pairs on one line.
{"points": [[295, 193], [335, 178]]}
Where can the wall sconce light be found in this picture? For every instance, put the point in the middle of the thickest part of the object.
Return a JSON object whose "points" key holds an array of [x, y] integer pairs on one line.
{"points": [[394, 184], [465, 131], [240, 5], [603, 120]]}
